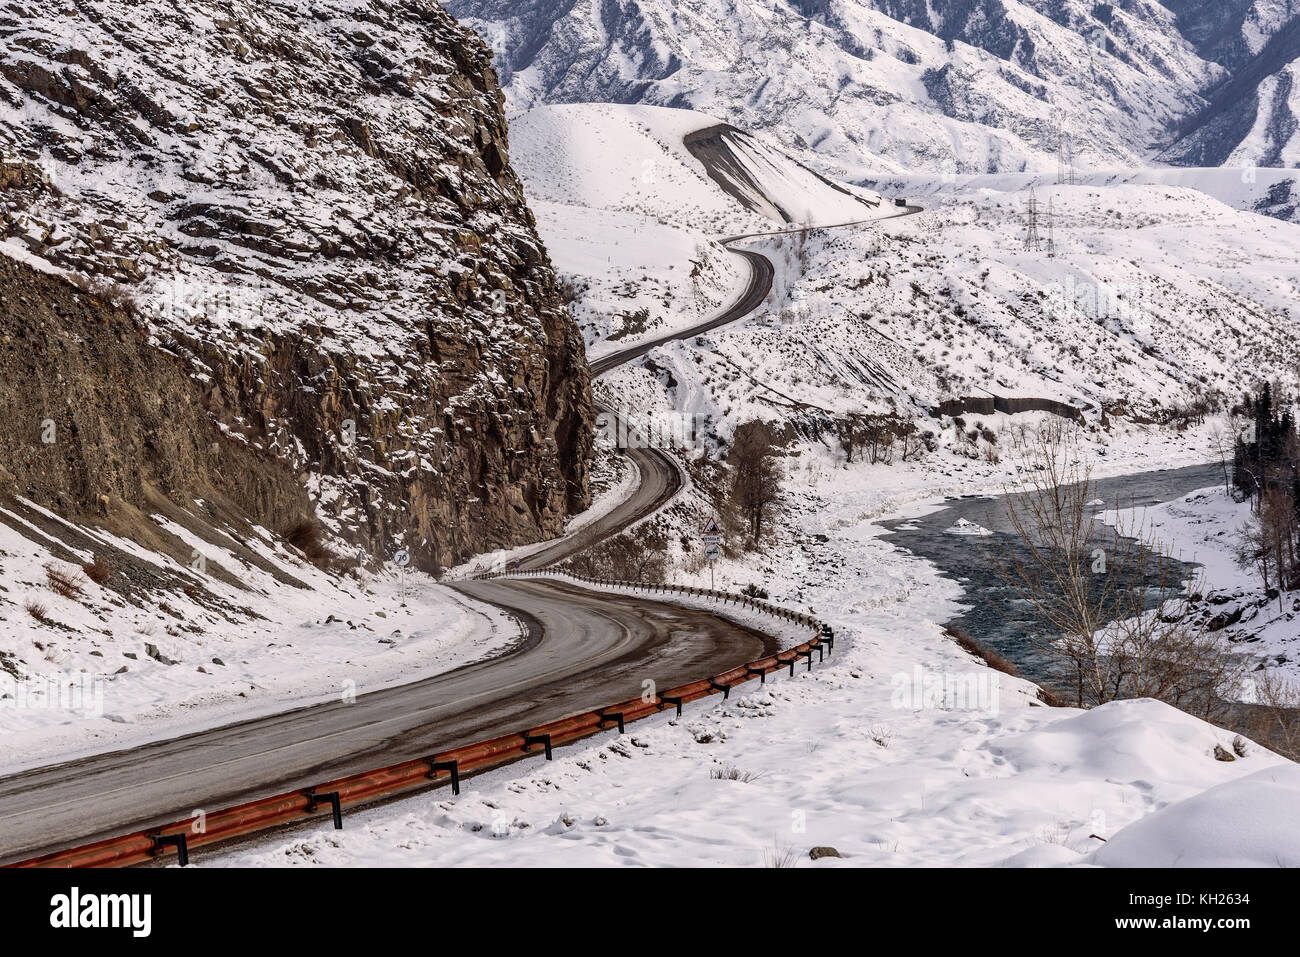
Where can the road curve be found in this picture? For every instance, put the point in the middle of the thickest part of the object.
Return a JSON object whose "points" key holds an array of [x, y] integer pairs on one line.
{"points": [[582, 649], [659, 476]]}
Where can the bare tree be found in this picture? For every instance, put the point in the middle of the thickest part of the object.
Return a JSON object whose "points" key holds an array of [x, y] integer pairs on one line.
{"points": [[878, 440], [915, 445], [849, 430], [755, 477], [1087, 591], [1271, 712], [1223, 437], [1255, 548]]}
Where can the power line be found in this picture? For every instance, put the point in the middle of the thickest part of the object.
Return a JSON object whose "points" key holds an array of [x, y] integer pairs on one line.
{"points": [[1032, 241], [1051, 230]]}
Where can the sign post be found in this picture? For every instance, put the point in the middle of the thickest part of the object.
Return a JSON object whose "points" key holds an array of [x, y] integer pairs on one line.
{"points": [[712, 536]]}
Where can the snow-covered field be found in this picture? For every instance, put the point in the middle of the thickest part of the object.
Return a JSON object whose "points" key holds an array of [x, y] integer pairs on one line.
{"points": [[901, 750], [85, 680]]}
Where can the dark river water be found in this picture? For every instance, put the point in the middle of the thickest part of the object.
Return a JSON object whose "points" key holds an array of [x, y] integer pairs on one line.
{"points": [[993, 616]]}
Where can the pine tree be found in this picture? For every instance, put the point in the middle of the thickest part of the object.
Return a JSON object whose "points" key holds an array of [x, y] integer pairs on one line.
{"points": [[1264, 426], [1242, 470]]}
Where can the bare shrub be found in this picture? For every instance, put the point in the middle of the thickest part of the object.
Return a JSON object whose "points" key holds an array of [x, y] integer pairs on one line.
{"points": [[305, 535], [638, 555], [915, 444], [1273, 718], [69, 584], [729, 773], [103, 290], [987, 655], [570, 289], [37, 611], [780, 856]]}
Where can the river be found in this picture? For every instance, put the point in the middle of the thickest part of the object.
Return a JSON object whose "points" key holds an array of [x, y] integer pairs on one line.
{"points": [[993, 615]]}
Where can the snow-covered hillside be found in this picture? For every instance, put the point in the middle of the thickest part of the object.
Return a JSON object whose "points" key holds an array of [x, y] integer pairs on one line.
{"points": [[631, 216], [1251, 115], [870, 84], [1127, 315], [906, 314], [864, 88]]}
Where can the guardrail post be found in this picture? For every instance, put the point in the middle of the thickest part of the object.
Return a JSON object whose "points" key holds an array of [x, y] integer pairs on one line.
{"points": [[453, 766], [664, 699], [331, 798], [172, 840], [612, 716], [531, 739], [762, 675], [725, 689]]}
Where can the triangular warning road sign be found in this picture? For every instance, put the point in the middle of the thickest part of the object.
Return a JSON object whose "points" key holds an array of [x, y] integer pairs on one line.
{"points": [[712, 528]]}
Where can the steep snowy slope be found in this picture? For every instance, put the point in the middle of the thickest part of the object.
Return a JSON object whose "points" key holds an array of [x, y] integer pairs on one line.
{"points": [[1252, 117], [310, 210], [948, 86], [1230, 32]]}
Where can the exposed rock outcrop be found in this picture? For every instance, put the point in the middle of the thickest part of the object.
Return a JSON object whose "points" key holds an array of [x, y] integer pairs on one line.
{"points": [[316, 283]]}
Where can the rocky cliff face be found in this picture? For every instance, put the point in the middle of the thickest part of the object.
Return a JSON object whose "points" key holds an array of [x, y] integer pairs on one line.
{"points": [[303, 228]]}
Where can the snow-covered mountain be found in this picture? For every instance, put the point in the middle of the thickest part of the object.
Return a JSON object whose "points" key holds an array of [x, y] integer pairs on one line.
{"points": [[1122, 316], [1252, 116], [310, 212], [631, 215], [944, 86]]}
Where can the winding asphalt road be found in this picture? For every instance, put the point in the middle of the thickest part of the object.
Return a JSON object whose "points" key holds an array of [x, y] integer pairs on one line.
{"points": [[582, 649], [660, 476], [592, 650]]}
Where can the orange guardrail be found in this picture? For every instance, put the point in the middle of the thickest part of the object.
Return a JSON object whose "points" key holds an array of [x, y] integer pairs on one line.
{"points": [[446, 767]]}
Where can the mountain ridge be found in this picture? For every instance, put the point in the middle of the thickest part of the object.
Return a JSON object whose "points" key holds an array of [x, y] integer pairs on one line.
{"points": [[945, 86]]}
